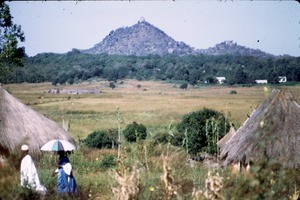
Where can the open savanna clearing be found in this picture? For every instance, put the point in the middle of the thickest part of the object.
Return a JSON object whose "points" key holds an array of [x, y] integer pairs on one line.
{"points": [[154, 104]]}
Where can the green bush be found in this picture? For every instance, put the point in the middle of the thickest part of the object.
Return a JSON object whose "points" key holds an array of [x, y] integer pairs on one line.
{"points": [[102, 139], [134, 132], [163, 138], [233, 92], [108, 161], [183, 86], [201, 130], [112, 85]]}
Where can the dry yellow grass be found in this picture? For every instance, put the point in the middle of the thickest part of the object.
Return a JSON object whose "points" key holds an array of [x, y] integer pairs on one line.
{"points": [[154, 104]]}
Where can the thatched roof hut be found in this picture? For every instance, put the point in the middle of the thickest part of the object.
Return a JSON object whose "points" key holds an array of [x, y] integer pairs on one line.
{"points": [[20, 124], [272, 131], [226, 137]]}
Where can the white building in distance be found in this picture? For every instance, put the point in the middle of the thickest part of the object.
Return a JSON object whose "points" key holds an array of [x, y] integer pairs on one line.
{"points": [[282, 79], [261, 81], [221, 80]]}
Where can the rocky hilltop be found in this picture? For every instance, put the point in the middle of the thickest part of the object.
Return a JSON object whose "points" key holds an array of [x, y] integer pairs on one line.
{"points": [[232, 48], [141, 39], [144, 39]]}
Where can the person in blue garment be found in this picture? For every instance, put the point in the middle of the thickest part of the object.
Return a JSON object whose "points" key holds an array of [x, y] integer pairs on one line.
{"points": [[66, 183]]}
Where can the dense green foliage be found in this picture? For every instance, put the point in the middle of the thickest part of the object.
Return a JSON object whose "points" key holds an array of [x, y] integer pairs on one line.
{"points": [[134, 132], [74, 67], [10, 35], [200, 130], [101, 139]]}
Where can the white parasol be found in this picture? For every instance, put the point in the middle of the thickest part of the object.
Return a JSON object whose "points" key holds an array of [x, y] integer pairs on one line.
{"points": [[58, 145]]}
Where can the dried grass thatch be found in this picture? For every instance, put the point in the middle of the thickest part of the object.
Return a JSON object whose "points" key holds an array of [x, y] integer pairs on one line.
{"points": [[19, 124], [226, 137], [272, 131]]}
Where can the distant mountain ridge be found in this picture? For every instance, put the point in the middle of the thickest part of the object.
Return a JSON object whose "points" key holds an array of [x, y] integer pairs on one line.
{"points": [[144, 39]]}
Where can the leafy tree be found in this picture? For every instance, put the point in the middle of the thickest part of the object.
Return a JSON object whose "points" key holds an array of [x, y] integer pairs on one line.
{"points": [[62, 78], [240, 76], [201, 127], [70, 80], [134, 132], [273, 77], [55, 81], [111, 74], [10, 35], [194, 76]]}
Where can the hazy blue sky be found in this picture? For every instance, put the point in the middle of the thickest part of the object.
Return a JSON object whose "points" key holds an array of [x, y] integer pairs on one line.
{"points": [[53, 26]]}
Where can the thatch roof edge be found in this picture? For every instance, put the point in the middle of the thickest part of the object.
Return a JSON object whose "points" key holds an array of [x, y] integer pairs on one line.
{"points": [[21, 124]]}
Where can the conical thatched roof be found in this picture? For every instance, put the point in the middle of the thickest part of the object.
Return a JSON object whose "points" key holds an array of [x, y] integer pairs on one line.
{"points": [[19, 124], [226, 137], [272, 131]]}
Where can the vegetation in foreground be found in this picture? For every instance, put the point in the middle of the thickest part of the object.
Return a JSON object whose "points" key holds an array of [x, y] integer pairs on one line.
{"points": [[154, 168], [144, 172]]}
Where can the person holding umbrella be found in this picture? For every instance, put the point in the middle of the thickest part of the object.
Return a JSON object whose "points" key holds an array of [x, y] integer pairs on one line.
{"points": [[66, 182]]}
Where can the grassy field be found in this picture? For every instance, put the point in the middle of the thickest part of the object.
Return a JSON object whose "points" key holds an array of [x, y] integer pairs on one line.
{"points": [[156, 105]]}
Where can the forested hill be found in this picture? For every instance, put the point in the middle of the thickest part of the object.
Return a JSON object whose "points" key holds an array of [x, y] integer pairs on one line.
{"points": [[144, 52], [75, 66]]}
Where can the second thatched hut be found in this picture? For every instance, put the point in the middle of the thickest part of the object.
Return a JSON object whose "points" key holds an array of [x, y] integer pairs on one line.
{"points": [[272, 132]]}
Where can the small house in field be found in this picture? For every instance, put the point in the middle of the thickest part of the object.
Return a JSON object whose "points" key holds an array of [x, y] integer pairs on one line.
{"points": [[282, 79], [221, 80], [20, 124], [261, 81], [271, 132]]}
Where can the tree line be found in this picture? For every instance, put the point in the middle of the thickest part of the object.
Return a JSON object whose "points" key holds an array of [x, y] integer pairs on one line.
{"points": [[74, 67]]}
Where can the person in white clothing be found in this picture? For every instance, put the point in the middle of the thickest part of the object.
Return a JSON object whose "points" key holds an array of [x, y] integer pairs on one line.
{"points": [[28, 172]]}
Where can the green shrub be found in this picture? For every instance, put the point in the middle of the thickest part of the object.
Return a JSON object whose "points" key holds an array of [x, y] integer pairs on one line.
{"points": [[163, 138], [233, 92], [202, 129], [102, 139], [134, 132], [112, 85], [183, 86], [108, 161]]}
